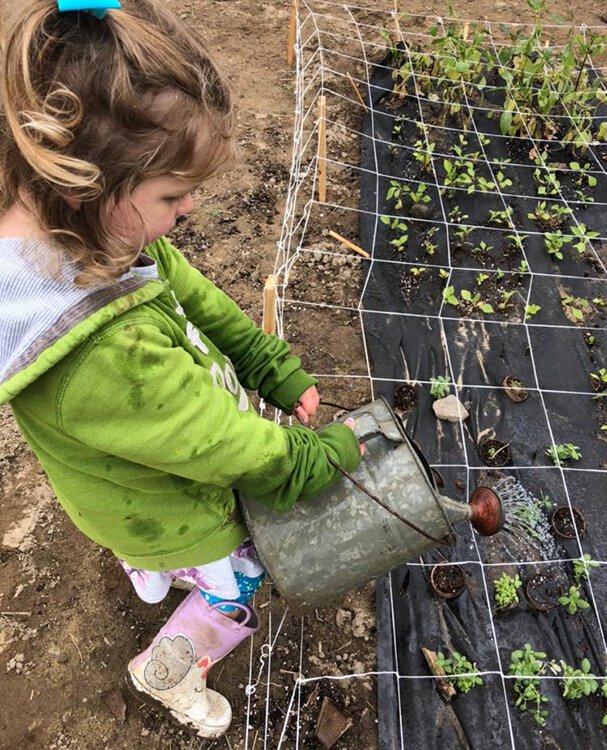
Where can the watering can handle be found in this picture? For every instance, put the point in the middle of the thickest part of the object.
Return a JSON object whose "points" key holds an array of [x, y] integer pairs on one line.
{"points": [[367, 492]]}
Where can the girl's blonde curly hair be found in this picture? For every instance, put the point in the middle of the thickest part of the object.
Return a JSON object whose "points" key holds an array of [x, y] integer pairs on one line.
{"points": [[90, 108]]}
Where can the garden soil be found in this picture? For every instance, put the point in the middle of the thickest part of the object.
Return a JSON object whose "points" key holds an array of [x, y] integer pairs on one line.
{"points": [[69, 621]]}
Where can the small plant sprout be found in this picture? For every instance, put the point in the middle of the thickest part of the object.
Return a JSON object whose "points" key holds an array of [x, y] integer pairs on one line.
{"points": [[396, 225], [443, 273], [502, 181], [563, 452], [399, 190], [428, 245], [501, 217], [480, 278], [583, 235], [463, 232], [465, 673], [518, 240], [575, 308], [418, 270], [456, 216], [599, 379], [582, 567], [554, 242], [531, 310], [523, 267], [583, 174], [439, 386], [482, 248], [573, 600], [506, 302], [578, 683], [506, 590], [527, 665], [423, 155]]}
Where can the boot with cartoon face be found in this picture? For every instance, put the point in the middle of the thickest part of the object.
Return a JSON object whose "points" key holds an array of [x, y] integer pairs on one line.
{"points": [[174, 668]]}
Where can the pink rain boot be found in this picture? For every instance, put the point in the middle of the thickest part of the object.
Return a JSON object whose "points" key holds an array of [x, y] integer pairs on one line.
{"points": [[173, 669]]}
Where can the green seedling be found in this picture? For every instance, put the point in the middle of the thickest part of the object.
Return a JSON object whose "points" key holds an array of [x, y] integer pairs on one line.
{"points": [[518, 240], [481, 277], [417, 271], [599, 379], [506, 302], [563, 452], [531, 310], [399, 190], [439, 386], [582, 567], [482, 248], [573, 600], [583, 235], [523, 267], [547, 183], [576, 308], [583, 175], [502, 217], [456, 216], [443, 273], [396, 225], [506, 590], [528, 665], [486, 186], [462, 673], [428, 246], [578, 683], [554, 241], [502, 181], [463, 232], [423, 154]]}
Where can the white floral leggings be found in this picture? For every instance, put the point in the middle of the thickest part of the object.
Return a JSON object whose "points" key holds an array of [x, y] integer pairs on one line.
{"points": [[233, 578]]}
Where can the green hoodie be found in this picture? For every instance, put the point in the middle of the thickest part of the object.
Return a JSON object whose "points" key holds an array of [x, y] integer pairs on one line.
{"points": [[138, 416]]}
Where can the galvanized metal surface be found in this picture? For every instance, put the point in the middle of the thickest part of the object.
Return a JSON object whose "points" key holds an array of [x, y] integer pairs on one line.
{"points": [[341, 539]]}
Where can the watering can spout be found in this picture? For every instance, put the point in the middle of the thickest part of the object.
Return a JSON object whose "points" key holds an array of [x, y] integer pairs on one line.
{"points": [[484, 511]]}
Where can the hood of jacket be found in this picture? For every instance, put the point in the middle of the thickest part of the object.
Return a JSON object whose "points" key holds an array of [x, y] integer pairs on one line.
{"points": [[45, 316]]}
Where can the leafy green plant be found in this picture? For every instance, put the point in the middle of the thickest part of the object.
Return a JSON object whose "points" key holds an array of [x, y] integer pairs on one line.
{"points": [[573, 600], [456, 216], [584, 235], [599, 379], [578, 683], [399, 190], [482, 248], [528, 665], [563, 452], [502, 217], [506, 590], [583, 175], [582, 567], [575, 308], [506, 302], [464, 673], [531, 310], [480, 278], [440, 386], [554, 241], [399, 226], [472, 301], [423, 154]]}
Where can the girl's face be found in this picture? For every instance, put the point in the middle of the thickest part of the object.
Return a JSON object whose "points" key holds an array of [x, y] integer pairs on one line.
{"points": [[157, 201]]}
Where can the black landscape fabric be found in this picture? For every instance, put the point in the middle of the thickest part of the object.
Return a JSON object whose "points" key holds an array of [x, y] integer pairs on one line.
{"points": [[552, 355]]}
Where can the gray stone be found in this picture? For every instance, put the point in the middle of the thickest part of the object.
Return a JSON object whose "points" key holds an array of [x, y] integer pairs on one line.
{"points": [[450, 409]]}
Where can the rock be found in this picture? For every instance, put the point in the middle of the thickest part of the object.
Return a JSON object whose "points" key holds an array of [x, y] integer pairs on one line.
{"points": [[362, 624], [343, 617], [450, 409], [331, 724], [115, 704]]}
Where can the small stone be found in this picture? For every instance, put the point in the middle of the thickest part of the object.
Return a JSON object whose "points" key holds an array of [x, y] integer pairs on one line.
{"points": [[343, 617], [115, 704], [450, 409]]}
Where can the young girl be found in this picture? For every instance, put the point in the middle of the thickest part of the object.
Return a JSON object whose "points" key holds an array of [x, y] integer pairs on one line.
{"points": [[125, 366]]}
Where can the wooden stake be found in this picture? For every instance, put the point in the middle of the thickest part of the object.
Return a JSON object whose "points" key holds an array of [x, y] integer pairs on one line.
{"points": [[292, 26], [322, 149], [269, 305], [445, 688], [349, 244], [358, 94]]}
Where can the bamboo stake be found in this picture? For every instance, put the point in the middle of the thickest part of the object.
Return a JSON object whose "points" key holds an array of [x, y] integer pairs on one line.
{"points": [[349, 244], [357, 92], [292, 26], [269, 305], [322, 149]]}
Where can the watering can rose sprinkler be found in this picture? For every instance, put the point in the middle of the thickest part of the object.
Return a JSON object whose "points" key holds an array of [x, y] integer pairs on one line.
{"points": [[390, 512]]}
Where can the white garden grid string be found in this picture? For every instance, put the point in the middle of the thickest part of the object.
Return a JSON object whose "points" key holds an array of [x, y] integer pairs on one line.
{"points": [[328, 35]]}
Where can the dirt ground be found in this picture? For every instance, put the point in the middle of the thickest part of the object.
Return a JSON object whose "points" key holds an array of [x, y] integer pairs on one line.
{"points": [[69, 620]]}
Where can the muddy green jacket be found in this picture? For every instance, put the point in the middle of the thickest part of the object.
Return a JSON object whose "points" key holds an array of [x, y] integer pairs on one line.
{"points": [[131, 396]]}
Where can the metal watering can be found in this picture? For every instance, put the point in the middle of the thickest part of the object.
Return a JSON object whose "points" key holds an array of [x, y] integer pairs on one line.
{"points": [[340, 539]]}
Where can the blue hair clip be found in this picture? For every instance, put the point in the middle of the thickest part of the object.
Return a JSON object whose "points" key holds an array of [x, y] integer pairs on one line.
{"points": [[98, 8]]}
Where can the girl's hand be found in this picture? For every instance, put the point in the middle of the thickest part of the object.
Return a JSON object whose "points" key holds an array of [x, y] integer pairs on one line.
{"points": [[307, 404], [352, 424]]}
